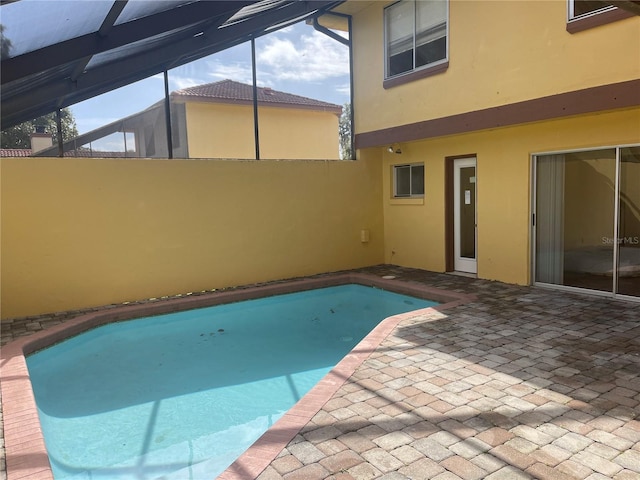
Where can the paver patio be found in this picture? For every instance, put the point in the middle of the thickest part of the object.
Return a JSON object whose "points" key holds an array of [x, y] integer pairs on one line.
{"points": [[524, 382]]}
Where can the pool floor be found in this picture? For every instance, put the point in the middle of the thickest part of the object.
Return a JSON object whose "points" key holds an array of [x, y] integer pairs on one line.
{"points": [[182, 395]]}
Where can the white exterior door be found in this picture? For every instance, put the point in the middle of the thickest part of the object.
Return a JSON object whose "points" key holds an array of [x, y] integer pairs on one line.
{"points": [[465, 217]]}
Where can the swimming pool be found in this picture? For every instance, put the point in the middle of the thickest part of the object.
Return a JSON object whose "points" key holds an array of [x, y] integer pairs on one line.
{"points": [[177, 395]]}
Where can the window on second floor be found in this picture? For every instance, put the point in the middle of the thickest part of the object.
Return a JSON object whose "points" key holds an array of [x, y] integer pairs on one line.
{"points": [[582, 8], [585, 14], [415, 35], [408, 180]]}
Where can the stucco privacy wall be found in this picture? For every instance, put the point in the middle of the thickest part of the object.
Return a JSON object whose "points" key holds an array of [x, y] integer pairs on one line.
{"points": [[500, 52], [415, 229], [79, 233]]}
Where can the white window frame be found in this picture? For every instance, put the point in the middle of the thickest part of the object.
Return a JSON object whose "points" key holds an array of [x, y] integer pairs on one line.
{"points": [[572, 17], [445, 60], [411, 167]]}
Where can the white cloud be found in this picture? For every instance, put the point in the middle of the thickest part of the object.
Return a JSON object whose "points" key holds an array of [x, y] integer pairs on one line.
{"points": [[345, 88], [184, 82], [238, 71], [316, 57], [288, 29]]}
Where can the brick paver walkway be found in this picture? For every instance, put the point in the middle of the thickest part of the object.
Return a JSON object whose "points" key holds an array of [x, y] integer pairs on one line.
{"points": [[522, 383]]}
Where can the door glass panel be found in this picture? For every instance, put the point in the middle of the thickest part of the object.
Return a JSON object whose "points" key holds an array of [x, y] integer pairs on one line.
{"points": [[467, 212], [629, 222], [574, 226]]}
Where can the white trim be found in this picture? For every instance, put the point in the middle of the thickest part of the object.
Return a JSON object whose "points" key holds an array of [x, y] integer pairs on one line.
{"points": [[385, 72], [463, 264], [571, 17], [626, 298], [569, 288], [616, 222], [395, 181], [533, 218], [585, 149], [588, 291]]}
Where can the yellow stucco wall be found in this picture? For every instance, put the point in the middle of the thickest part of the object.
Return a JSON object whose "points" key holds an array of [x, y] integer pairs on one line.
{"points": [[415, 229], [500, 52], [83, 232], [218, 130]]}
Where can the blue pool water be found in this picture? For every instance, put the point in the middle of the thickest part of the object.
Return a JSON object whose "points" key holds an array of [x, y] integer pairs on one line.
{"points": [[182, 395]]}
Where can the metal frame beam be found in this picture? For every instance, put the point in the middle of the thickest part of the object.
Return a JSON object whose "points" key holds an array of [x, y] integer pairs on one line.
{"points": [[190, 15], [24, 100]]}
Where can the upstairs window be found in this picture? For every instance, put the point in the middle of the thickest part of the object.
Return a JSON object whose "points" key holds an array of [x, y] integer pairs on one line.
{"points": [[408, 180], [583, 8], [415, 35], [585, 14]]}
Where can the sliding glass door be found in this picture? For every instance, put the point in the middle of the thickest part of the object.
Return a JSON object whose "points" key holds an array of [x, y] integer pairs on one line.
{"points": [[587, 220], [628, 259]]}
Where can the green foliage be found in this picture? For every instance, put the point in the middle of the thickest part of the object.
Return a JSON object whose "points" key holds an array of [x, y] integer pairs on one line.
{"points": [[344, 126], [19, 136], [5, 44]]}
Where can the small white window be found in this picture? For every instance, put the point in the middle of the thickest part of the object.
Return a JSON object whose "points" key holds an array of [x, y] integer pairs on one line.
{"points": [[415, 35], [408, 180], [585, 8]]}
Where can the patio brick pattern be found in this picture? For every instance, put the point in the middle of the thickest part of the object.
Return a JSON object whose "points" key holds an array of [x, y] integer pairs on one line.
{"points": [[524, 382]]}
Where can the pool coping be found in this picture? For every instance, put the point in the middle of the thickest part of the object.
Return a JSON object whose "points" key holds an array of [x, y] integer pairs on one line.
{"points": [[26, 454]]}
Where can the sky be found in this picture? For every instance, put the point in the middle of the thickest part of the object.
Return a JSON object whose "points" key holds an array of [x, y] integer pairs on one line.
{"points": [[296, 59]]}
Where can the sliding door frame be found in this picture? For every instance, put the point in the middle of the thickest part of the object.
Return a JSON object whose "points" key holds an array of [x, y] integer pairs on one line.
{"points": [[616, 222]]}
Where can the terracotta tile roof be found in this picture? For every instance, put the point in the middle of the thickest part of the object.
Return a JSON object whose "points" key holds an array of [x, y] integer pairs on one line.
{"points": [[26, 152], [15, 152], [229, 91]]}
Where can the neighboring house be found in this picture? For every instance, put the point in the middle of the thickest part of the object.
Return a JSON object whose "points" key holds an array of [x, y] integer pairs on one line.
{"points": [[39, 140], [509, 134], [219, 123], [216, 120]]}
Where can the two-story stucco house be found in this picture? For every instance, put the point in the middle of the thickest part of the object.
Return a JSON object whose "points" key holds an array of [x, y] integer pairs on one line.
{"points": [[509, 136], [499, 139], [219, 122]]}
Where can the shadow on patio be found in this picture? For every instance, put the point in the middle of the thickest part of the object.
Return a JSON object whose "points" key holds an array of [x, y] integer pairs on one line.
{"points": [[522, 383]]}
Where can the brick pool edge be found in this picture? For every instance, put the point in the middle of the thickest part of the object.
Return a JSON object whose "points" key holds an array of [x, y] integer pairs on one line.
{"points": [[26, 454]]}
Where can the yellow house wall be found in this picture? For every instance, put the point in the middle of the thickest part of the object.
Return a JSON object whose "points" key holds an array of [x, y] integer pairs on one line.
{"points": [[78, 233], [220, 131], [415, 228], [287, 133], [500, 52], [216, 130]]}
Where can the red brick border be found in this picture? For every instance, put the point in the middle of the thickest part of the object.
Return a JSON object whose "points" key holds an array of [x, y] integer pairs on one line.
{"points": [[26, 455]]}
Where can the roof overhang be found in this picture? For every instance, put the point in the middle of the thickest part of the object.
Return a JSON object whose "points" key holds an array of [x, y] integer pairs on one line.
{"points": [[116, 52]]}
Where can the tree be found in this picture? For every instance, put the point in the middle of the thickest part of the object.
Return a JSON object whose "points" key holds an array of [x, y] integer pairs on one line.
{"points": [[344, 127], [5, 44], [19, 136]]}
